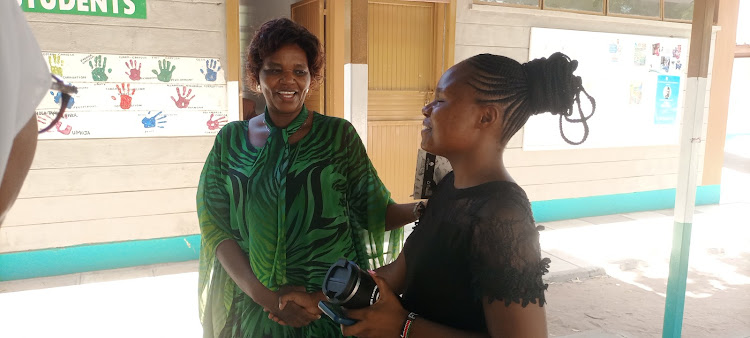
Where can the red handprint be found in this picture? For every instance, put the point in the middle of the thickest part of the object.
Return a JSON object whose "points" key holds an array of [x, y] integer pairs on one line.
{"points": [[64, 131], [216, 124], [126, 99], [44, 119], [134, 74], [183, 100]]}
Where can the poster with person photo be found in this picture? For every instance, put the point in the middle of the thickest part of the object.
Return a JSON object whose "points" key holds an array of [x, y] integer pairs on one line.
{"points": [[665, 63], [667, 99]]}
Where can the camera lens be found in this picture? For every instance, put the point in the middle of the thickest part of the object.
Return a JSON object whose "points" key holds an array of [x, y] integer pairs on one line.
{"points": [[347, 285]]}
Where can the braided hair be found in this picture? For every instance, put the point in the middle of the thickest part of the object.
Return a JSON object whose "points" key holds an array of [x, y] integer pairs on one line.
{"points": [[539, 86]]}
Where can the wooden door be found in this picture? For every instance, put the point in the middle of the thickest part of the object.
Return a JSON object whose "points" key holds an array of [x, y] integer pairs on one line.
{"points": [[310, 14], [406, 49]]}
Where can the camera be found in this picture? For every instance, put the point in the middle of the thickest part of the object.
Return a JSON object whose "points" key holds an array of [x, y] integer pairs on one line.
{"points": [[347, 285]]}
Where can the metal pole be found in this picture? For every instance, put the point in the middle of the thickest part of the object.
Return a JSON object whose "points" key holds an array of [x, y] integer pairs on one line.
{"points": [[687, 178]]}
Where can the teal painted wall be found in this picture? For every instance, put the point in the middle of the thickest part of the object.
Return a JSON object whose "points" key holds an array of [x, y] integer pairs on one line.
{"points": [[61, 261]]}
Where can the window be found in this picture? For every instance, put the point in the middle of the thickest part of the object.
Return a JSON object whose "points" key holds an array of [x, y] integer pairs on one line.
{"points": [[645, 8], [681, 10], [525, 3], [595, 6], [668, 10]]}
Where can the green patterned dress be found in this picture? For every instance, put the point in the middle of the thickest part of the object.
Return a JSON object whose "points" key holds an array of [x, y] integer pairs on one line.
{"points": [[294, 210]]}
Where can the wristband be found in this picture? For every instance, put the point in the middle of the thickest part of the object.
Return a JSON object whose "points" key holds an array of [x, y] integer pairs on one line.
{"points": [[418, 209], [407, 324]]}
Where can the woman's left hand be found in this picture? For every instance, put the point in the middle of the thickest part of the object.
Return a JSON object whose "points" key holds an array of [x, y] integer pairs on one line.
{"points": [[383, 319]]}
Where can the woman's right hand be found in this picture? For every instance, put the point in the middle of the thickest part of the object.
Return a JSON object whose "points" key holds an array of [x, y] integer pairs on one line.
{"points": [[292, 314], [237, 265]]}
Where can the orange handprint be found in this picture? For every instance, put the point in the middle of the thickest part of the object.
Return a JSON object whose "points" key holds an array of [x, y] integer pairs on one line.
{"points": [[126, 99]]}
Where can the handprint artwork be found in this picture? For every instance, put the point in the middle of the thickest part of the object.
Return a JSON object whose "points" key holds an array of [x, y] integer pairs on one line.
{"points": [[44, 120], [126, 96], [165, 73], [105, 96], [212, 68], [154, 121], [58, 97], [98, 67], [55, 64], [183, 101], [134, 68], [216, 124]]}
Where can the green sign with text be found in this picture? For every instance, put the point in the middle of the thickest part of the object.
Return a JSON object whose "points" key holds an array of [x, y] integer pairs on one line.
{"points": [[133, 9]]}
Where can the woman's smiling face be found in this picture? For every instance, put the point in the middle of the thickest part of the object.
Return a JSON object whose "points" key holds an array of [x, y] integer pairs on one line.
{"points": [[285, 80]]}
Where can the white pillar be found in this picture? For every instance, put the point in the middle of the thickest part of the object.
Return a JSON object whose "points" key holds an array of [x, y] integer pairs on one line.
{"points": [[355, 97]]}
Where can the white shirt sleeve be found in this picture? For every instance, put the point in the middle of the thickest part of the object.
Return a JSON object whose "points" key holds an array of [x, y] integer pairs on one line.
{"points": [[24, 76]]}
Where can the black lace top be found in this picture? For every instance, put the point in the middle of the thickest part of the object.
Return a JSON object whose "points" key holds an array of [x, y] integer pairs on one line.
{"points": [[470, 244]]}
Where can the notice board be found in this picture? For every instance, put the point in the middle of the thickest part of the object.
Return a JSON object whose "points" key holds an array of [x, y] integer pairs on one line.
{"points": [[638, 83]]}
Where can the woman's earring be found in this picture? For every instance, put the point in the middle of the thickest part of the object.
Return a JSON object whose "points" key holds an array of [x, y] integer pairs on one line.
{"points": [[258, 88]]}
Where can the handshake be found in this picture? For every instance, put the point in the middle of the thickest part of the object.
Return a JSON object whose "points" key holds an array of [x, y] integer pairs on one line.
{"points": [[345, 285]]}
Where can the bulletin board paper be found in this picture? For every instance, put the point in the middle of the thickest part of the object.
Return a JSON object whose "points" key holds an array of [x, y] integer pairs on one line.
{"points": [[627, 75], [121, 96]]}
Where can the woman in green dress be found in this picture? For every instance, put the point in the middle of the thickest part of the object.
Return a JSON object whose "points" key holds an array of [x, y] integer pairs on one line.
{"points": [[282, 197]]}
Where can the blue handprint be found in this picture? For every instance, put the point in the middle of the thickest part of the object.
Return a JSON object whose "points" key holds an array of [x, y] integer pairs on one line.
{"points": [[153, 121], [58, 98], [212, 67]]}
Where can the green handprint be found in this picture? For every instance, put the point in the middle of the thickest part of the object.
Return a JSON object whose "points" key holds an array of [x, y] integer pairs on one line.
{"points": [[55, 64], [165, 73], [97, 69]]}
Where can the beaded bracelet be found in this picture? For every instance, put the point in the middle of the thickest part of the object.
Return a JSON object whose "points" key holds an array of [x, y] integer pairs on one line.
{"points": [[407, 324]]}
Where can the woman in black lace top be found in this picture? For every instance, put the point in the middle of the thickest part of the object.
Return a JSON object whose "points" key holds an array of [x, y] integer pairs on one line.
{"points": [[473, 266]]}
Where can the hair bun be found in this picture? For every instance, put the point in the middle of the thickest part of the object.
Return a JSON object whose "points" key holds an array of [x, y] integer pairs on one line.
{"points": [[552, 85], [553, 88]]}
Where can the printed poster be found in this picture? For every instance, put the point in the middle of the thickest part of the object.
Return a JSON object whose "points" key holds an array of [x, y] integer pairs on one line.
{"points": [[667, 102], [121, 96], [615, 50], [639, 55], [636, 92]]}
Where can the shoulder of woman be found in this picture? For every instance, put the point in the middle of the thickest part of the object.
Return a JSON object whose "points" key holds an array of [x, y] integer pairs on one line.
{"points": [[232, 127], [331, 120], [336, 123], [506, 199], [230, 130]]}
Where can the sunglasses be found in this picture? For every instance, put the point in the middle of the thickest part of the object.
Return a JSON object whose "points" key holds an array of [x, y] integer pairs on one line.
{"points": [[65, 90]]}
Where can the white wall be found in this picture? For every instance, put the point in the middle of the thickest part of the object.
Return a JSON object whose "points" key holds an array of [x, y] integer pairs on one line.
{"points": [[739, 102], [560, 174], [108, 190], [743, 23]]}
